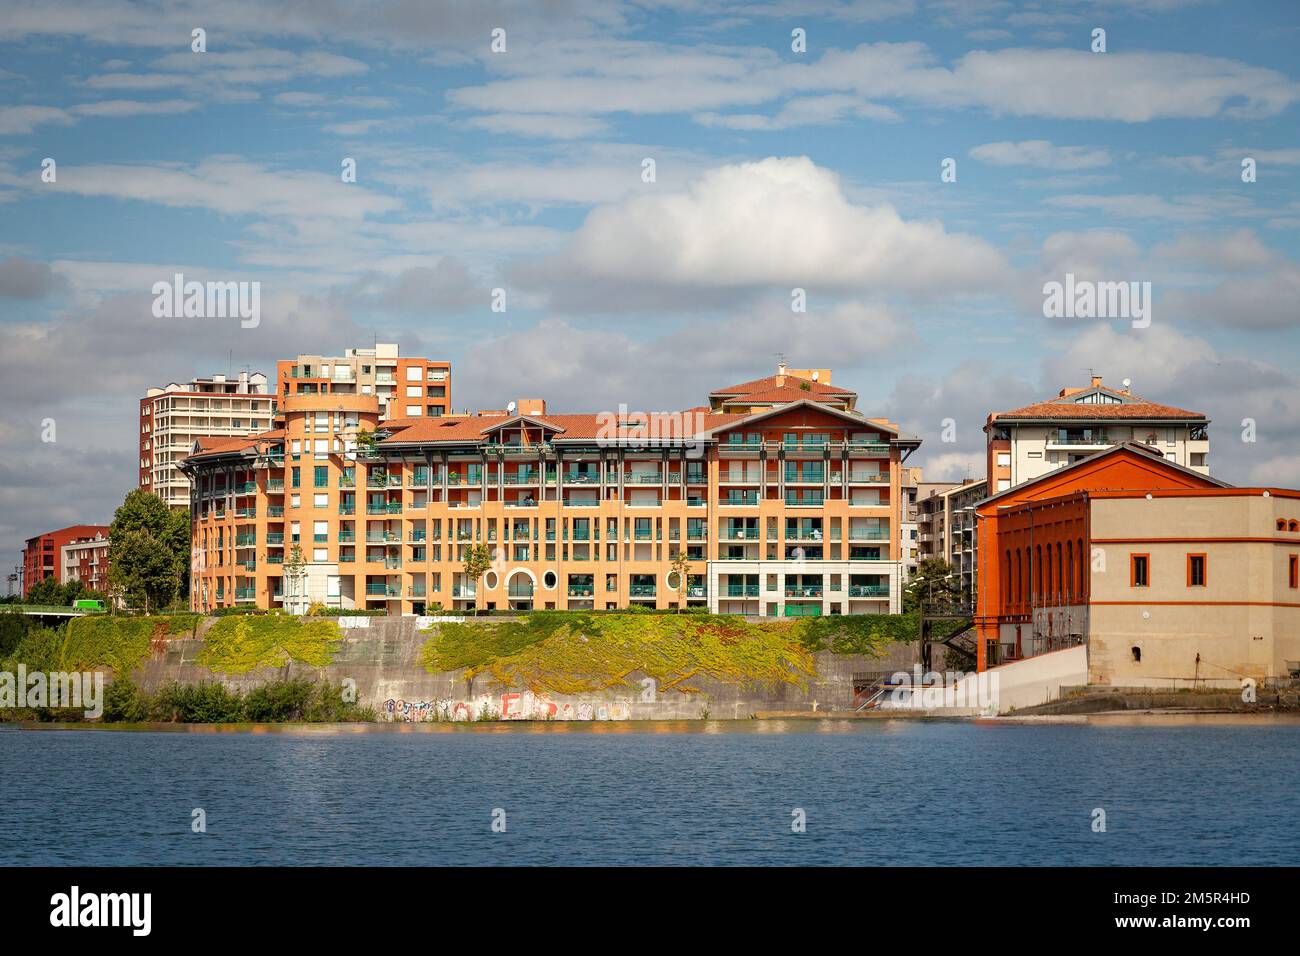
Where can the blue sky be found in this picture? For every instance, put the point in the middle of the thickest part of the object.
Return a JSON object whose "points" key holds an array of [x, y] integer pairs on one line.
{"points": [[522, 170]]}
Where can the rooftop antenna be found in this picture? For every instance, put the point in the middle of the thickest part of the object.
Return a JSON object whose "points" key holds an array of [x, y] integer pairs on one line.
{"points": [[510, 408]]}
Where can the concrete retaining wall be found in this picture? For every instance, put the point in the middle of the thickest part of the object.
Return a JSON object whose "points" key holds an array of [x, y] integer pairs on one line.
{"points": [[382, 657]]}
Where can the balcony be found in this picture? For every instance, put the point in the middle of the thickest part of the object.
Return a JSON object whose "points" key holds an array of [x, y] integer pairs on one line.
{"points": [[740, 534], [741, 590], [463, 591], [871, 448], [245, 540], [275, 559], [347, 481], [245, 512], [582, 590], [868, 478], [572, 503], [521, 590], [581, 478], [740, 499], [383, 537], [868, 590], [803, 590], [457, 479], [416, 591], [644, 478], [417, 537], [243, 594], [696, 591], [869, 534], [803, 534], [805, 500], [275, 537], [383, 481], [696, 534], [643, 534], [347, 509], [275, 485], [275, 511], [418, 479], [246, 488], [521, 478], [383, 590], [641, 590], [347, 537]]}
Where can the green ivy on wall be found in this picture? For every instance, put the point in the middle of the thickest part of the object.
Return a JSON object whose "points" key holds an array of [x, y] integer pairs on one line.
{"points": [[236, 645], [572, 652]]}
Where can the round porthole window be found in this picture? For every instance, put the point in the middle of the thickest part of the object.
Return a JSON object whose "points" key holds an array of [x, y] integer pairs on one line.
{"points": [[490, 580], [548, 580]]}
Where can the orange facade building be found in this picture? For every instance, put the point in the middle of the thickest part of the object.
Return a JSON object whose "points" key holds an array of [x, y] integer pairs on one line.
{"points": [[1165, 574], [785, 499]]}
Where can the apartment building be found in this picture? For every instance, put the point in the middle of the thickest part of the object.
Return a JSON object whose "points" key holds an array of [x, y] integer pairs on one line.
{"points": [[86, 560], [176, 415], [42, 556], [1170, 578], [1026, 443], [946, 527], [403, 387], [786, 500]]}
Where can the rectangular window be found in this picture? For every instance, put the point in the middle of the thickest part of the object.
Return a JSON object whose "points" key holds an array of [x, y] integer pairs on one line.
{"points": [[1293, 570], [1196, 570], [1139, 570], [321, 476], [415, 373]]}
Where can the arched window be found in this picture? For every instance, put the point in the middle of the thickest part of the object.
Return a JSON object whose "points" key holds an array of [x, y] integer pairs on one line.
{"points": [[1037, 592], [1020, 574], [1293, 525], [1060, 575], [1007, 575], [1046, 592], [1281, 524], [1083, 573], [1069, 577]]}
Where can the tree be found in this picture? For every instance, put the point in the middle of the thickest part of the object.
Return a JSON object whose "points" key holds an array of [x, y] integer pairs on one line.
{"points": [[143, 570], [295, 568], [935, 582], [478, 561], [681, 564], [149, 551], [50, 593]]}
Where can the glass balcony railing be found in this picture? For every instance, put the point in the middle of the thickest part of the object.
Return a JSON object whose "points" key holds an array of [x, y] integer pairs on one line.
{"points": [[740, 534], [741, 590], [521, 590], [803, 590], [243, 594], [275, 537], [869, 590], [868, 534], [582, 590], [275, 511], [741, 498], [641, 590], [804, 500]]}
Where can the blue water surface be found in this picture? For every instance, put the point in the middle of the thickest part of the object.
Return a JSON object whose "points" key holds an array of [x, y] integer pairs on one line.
{"points": [[880, 792]]}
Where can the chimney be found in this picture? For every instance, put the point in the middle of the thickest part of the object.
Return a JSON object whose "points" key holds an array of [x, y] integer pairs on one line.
{"points": [[780, 374], [1096, 381]]}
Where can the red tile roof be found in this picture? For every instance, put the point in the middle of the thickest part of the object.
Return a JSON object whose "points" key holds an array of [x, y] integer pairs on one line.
{"points": [[218, 446], [1131, 408], [569, 427], [790, 393], [763, 385]]}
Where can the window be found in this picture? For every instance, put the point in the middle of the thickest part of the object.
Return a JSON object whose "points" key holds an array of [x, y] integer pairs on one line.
{"points": [[1139, 570], [414, 391], [1004, 459], [321, 500], [1196, 570], [1293, 570], [414, 373], [321, 476]]}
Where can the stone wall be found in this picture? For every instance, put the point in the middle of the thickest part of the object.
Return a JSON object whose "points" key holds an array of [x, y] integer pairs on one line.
{"points": [[381, 656]]}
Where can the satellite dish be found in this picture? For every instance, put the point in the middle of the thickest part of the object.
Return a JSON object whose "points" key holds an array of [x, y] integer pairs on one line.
{"points": [[511, 408], [816, 375], [1128, 382]]}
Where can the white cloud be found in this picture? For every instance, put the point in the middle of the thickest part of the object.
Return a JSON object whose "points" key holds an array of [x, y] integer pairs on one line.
{"points": [[1041, 153], [778, 222]]}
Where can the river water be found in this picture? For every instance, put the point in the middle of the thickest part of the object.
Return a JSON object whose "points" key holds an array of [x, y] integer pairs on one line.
{"points": [[1191, 791]]}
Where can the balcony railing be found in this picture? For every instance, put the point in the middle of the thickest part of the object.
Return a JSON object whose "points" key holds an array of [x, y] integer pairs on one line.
{"points": [[275, 537], [869, 534], [641, 590], [740, 534], [869, 590], [741, 498], [804, 501], [582, 590], [521, 590], [742, 590], [644, 478], [803, 590], [243, 594], [383, 590]]}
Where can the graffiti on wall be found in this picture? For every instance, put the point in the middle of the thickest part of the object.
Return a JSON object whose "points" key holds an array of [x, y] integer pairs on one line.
{"points": [[512, 705]]}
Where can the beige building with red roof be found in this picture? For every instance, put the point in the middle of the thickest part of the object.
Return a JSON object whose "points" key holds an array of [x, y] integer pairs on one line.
{"points": [[1027, 443], [784, 499]]}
